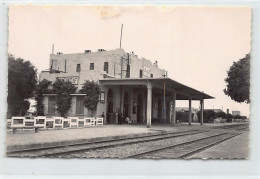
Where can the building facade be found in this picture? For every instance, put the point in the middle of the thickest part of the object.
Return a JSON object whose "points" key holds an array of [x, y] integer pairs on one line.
{"points": [[132, 86], [235, 113]]}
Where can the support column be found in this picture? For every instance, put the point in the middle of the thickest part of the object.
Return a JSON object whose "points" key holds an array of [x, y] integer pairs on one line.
{"points": [[201, 111], [173, 108], [164, 103], [190, 113], [149, 105]]}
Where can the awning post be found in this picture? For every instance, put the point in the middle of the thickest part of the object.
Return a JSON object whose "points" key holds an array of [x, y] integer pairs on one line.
{"points": [[190, 113], [173, 108], [149, 104], [201, 111]]}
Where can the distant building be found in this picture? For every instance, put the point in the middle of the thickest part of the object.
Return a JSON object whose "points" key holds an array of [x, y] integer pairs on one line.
{"points": [[235, 113]]}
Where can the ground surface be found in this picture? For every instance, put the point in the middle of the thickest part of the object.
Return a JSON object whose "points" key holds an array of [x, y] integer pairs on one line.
{"points": [[234, 148]]}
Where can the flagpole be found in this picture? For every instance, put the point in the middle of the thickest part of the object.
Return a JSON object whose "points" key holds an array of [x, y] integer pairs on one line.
{"points": [[121, 34]]}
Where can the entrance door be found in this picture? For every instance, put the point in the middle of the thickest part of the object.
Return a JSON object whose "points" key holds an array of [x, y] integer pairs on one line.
{"points": [[139, 109], [110, 111], [126, 105], [168, 111], [160, 109]]}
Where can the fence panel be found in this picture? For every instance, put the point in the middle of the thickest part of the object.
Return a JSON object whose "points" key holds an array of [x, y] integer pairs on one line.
{"points": [[81, 123], [29, 122], [49, 123], [73, 122], [18, 121], [40, 121], [88, 121], [99, 122], [66, 123], [58, 122]]}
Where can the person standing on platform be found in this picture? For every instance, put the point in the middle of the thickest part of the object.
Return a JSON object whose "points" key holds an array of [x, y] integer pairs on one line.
{"points": [[103, 116], [119, 118]]}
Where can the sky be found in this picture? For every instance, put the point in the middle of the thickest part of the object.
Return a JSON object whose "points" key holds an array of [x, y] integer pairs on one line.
{"points": [[196, 45]]}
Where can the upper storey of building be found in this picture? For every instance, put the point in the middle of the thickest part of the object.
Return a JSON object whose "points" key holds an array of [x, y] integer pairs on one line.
{"points": [[79, 67]]}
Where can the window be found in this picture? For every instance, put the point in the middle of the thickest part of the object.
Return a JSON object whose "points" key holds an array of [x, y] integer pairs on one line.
{"points": [[106, 67], [151, 75], [80, 105], [127, 71], [78, 68], [141, 74], [51, 104], [91, 67]]}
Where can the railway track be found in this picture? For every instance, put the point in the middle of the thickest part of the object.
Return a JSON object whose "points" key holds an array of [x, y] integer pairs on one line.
{"points": [[233, 127], [185, 149], [147, 149], [75, 148], [168, 145]]}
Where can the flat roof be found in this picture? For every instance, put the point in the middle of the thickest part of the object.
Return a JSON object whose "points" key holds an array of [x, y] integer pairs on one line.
{"points": [[183, 92]]}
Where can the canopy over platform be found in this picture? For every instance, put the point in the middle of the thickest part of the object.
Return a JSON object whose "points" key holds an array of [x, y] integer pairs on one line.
{"points": [[183, 92]]}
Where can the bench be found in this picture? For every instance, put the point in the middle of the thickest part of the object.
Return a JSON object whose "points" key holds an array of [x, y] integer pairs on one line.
{"points": [[36, 129]]}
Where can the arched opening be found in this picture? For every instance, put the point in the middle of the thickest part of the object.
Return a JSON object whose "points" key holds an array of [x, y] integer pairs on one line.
{"points": [[160, 109], [139, 109], [126, 105], [110, 107]]}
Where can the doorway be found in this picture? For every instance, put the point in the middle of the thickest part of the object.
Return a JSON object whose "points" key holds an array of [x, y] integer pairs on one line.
{"points": [[110, 110], [126, 105], [139, 109]]}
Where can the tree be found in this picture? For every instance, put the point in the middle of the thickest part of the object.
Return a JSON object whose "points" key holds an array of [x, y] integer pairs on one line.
{"points": [[63, 89], [229, 117], [221, 114], [22, 80], [92, 91], [41, 88], [208, 115], [238, 80]]}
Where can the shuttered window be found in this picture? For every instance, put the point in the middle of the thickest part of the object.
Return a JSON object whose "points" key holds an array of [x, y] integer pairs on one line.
{"points": [[141, 74], [51, 104], [78, 68], [106, 67], [91, 67], [80, 105]]}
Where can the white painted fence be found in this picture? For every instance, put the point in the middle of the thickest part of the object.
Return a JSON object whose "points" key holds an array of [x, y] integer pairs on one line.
{"points": [[54, 123], [73, 122]]}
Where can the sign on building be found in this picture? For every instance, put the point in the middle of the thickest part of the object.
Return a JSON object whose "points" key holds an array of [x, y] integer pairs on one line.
{"points": [[73, 79], [146, 69]]}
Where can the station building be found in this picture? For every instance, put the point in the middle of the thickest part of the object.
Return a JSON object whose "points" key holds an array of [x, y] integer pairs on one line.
{"points": [[130, 85]]}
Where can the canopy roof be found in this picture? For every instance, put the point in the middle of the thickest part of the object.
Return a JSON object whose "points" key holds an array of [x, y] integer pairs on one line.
{"points": [[183, 92]]}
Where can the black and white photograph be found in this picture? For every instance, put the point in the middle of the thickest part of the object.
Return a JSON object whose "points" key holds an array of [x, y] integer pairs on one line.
{"points": [[128, 82]]}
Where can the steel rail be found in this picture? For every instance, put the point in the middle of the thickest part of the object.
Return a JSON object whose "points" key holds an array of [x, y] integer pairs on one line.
{"points": [[119, 144], [124, 140], [89, 142], [171, 146], [195, 151]]}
